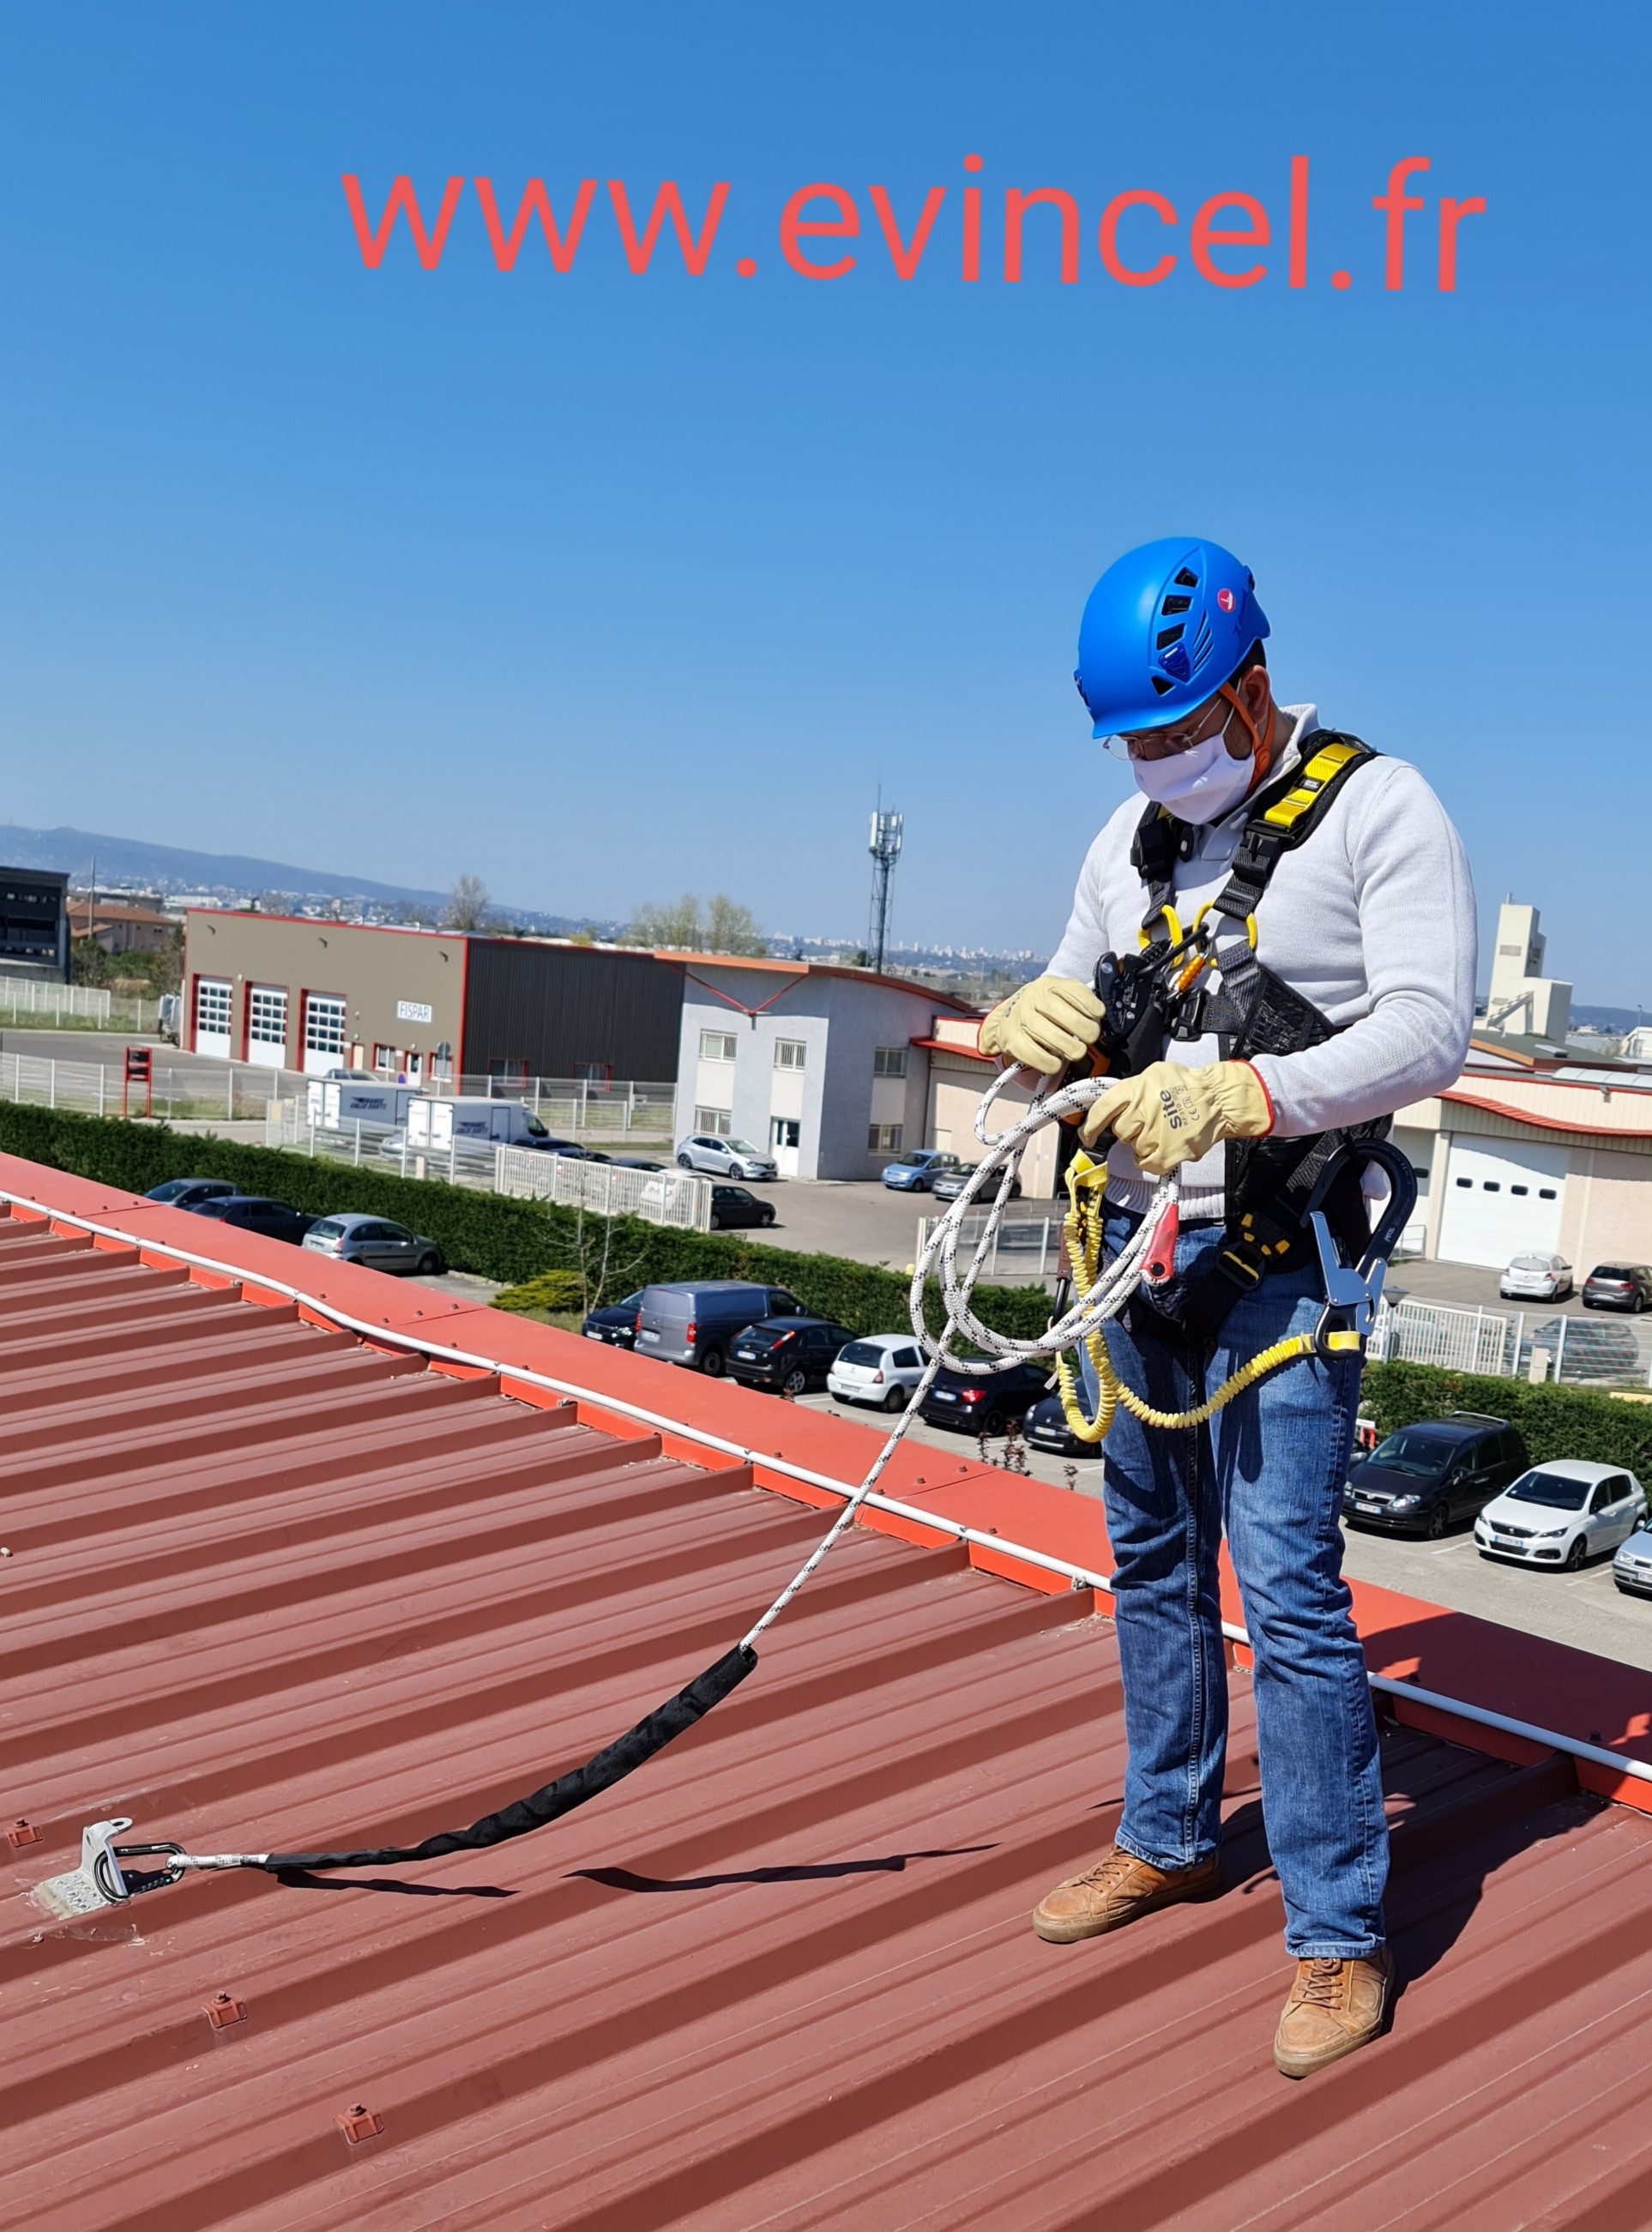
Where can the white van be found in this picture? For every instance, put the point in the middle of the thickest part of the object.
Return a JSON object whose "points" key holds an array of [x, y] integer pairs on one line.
{"points": [[339, 1105], [434, 1124]]}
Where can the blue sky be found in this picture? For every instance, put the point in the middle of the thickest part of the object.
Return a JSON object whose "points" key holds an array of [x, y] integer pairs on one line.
{"points": [[605, 585]]}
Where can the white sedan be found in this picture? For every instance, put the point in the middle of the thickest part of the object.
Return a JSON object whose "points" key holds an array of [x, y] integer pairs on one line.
{"points": [[1562, 1514], [883, 1370], [1536, 1279]]}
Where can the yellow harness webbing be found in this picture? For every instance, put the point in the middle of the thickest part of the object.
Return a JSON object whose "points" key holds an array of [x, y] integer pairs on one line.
{"points": [[1082, 1226]]}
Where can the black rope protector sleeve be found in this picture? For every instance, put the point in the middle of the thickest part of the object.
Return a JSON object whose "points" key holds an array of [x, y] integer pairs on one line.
{"points": [[609, 1766]]}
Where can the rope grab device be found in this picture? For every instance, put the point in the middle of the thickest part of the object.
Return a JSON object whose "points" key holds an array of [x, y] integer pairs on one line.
{"points": [[1098, 1291]]}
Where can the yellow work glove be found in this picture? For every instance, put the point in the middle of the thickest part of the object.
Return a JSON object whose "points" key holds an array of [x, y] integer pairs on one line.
{"points": [[1170, 1114], [1045, 1025]]}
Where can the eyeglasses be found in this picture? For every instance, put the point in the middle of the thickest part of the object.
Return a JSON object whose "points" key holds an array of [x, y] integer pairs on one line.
{"points": [[1165, 743]]}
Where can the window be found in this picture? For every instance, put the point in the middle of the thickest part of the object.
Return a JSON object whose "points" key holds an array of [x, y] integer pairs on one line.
{"points": [[889, 1061], [789, 1053], [1545, 1193], [323, 1023], [717, 1121], [1466, 1182], [384, 1060], [594, 1073], [267, 1016], [1493, 1185], [716, 1046], [882, 1138], [508, 1072], [211, 1007], [1520, 1190]]}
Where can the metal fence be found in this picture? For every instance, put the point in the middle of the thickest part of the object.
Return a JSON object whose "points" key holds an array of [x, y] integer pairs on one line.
{"points": [[680, 1199], [239, 1095], [1028, 1246], [75, 1003], [1580, 1352], [622, 1109]]}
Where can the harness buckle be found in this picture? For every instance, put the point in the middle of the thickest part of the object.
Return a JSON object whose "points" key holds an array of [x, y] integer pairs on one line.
{"points": [[1353, 1294]]}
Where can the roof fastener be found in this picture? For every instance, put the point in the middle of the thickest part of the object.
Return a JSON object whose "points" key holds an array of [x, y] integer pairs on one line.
{"points": [[22, 1832], [358, 2124], [222, 2009]]}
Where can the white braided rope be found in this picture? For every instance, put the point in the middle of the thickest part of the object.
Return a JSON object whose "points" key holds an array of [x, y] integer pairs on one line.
{"points": [[1000, 1352]]}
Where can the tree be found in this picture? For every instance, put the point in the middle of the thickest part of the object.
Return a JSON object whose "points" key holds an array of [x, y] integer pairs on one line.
{"points": [[676, 923], [685, 926], [731, 929], [467, 907]]}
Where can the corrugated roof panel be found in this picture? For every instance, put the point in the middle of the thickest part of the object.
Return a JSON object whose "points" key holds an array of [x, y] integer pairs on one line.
{"points": [[269, 1587]]}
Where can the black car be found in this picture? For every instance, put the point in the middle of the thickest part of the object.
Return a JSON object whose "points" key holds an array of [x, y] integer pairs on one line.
{"points": [[790, 1354], [987, 1405], [190, 1193], [635, 1163], [615, 1322], [255, 1212], [1047, 1430], [1425, 1477], [733, 1204], [1618, 1286]]}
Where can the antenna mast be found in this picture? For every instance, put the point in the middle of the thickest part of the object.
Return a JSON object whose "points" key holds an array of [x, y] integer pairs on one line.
{"points": [[886, 850]]}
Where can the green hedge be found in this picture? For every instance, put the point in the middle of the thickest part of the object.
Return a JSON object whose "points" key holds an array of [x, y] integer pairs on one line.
{"points": [[498, 1238], [1554, 1421]]}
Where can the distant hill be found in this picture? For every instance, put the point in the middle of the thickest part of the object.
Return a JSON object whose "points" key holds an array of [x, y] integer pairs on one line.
{"points": [[132, 860], [1606, 1019]]}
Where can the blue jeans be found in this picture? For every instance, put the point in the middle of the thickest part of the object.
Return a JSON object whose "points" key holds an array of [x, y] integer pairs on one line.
{"points": [[1269, 1469]]}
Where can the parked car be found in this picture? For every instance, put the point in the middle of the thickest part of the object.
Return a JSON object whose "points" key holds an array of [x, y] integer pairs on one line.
{"points": [[725, 1159], [1423, 1478], [189, 1193], [1618, 1286], [615, 1322], [1536, 1279], [1047, 1430], [1632, 1566], [169, 1015], [1562, 1514], [375, 1242], [791, 1354], [917, 1173], [947, 1185], [984, 1406], [633, 1163], [695, 1321], [881, 1370], [256, 1212], [734, 1205]]}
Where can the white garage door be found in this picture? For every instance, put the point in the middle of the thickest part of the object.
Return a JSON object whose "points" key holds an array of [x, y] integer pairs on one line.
{"points": [[1503, 1198]]}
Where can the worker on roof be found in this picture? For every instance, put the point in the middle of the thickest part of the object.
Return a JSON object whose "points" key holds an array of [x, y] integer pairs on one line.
{"points": [[1341, 918]]}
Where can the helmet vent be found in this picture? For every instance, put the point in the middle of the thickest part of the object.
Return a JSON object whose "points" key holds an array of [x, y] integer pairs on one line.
{"points": [[1169, 635], [1160, 685], [1175, 604], [1187, 580], [1202, 643]]}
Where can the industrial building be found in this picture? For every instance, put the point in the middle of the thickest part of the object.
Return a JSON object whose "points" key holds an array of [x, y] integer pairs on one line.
{"points": [[34, 924], [303, 993], [827, 1067]]}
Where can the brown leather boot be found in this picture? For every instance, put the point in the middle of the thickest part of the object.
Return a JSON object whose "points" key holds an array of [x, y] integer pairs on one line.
{"points": [[1334, 2007], [1117, 1889]]}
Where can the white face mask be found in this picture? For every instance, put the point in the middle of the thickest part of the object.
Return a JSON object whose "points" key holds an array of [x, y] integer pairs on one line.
{"points": [[1199, 785]]}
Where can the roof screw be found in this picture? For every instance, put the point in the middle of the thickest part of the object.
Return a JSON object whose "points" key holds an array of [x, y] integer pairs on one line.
{"points": [[22, 1832], [358, 2124], [222, 2009]]}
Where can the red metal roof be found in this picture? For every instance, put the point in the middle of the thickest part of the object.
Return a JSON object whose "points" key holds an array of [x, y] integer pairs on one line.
{"points": [[269, 1586]]}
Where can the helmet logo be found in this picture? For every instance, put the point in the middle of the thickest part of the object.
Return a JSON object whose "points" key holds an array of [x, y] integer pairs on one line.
{"points": [[1225, 598]]}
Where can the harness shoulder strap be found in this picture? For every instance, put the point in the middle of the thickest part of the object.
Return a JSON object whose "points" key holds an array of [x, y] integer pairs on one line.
{"points": [[1287, 813], [1153, 852]]}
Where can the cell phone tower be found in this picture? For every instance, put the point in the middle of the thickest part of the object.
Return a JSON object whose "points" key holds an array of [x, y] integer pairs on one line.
{"points": [[886, 850]]}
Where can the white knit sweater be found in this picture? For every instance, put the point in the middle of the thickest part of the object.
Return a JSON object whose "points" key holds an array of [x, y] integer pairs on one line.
{"points": [[1372, 918]]}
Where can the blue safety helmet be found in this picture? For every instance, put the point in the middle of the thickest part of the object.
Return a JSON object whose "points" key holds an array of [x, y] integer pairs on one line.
{"points": [[1164, 628]]}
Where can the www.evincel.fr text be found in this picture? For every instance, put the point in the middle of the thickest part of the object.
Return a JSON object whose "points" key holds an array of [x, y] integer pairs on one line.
{"points": [[970, 231]]}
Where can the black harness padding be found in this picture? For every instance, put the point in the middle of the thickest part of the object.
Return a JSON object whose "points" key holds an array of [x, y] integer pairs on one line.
{"points": [[1255, 1012], [610, 1766]]}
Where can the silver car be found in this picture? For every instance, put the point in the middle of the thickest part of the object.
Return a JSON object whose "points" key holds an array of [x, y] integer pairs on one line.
{"points": [[725, 1159], [1536, 1279], [375, 1242]]}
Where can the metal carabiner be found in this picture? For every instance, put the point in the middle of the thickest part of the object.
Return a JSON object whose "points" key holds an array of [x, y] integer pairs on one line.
{"points": [[1352, 1294]]}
